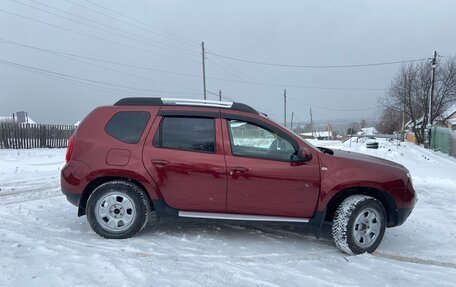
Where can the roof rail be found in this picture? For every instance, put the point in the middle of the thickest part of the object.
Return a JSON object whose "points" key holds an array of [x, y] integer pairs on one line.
{"points": [[193, 102], [186, 102]]}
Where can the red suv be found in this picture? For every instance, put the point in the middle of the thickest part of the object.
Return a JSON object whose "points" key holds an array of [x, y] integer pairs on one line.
{"points": [[223, 160]]}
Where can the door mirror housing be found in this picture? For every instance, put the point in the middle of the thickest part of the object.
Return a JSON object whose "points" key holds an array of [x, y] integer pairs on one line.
{"points": [[304, 155]]}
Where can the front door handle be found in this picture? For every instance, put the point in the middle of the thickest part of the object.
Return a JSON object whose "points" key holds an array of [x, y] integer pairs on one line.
{"points": [[160, 162], [238, 170]]}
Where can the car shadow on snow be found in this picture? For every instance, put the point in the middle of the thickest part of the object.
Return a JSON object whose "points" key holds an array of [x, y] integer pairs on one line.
{"points": [[234, 231]]}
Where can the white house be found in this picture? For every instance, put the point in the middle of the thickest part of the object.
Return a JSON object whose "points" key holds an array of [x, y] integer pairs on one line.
{"points": [[323, 135], [368, 131], [19, 117]]}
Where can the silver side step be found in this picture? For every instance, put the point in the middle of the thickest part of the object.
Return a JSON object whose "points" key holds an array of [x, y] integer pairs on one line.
{"points": [[231, 216]]}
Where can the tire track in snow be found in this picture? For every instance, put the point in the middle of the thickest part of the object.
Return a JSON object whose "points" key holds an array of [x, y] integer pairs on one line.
{"points": [[77, 239], [416, 260], [30, 195], [32, 180]]}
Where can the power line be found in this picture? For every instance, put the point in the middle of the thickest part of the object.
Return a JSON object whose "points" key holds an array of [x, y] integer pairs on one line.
{"points": [[162, 45], [229, 67], [226, 72], [64, 54], [95, 27], [272, 106], [14, 64], [218, 68], [80, 83], [332, 109], [237, 79], [223, 97], [167, 34], [315, 66], [299, 86], [100, 66], [87, 85], [93, 37]]}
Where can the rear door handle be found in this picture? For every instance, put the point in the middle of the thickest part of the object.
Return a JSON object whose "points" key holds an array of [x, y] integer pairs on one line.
{"points": [[238, 170], [160, 162]]}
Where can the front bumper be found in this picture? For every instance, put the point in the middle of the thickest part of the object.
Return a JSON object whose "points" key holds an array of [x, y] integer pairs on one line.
{"points": [[403, 214]]}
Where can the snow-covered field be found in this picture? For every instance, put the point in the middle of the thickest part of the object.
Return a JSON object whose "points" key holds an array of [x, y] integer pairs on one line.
{"points": [[44, 243]]}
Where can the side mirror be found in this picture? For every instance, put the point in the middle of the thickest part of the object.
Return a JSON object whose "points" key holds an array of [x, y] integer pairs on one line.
{"points": [[304, 155]]}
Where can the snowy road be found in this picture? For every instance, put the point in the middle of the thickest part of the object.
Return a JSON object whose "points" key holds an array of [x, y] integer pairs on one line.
{"points": [[44, 243]]}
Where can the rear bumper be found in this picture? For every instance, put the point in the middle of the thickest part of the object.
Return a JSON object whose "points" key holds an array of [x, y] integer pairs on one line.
{"points": [[73, 180], [73, 198]]}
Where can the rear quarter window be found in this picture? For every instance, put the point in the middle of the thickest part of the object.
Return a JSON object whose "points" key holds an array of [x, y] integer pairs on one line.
{"points": [[127, 127]]}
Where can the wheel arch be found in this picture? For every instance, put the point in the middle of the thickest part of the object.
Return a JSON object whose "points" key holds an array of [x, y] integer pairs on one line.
{"points": [[385, 199], [92, 185]]}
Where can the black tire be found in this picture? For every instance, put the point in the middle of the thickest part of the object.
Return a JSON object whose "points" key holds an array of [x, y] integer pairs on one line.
{"points": [[125, 216], [359, 224]]}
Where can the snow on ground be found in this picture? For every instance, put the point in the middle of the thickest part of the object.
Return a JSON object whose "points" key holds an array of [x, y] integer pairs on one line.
{"points": [[44, 243]]}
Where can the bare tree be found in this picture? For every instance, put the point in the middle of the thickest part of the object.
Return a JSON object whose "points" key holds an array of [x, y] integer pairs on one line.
{"points": [[353, 128], [307, 128], [410, 90], [390, 122]]}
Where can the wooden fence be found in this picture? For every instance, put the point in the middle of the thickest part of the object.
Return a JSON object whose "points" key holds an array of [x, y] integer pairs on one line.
{"points": [[25, 136]]}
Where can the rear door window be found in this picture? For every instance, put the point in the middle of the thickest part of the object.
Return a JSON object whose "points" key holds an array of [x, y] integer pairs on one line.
{"points": [[186, 133], [128, 127]]}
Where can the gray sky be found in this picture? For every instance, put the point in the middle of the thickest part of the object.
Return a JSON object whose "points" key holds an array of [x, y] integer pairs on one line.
{"points": [[288, 32]]}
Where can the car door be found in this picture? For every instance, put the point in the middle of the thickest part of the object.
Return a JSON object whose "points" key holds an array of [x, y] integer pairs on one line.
{"points": [[263, 179], [184, 155]]}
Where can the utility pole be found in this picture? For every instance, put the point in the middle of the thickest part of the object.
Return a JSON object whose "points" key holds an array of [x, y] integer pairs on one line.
{"points": [[285, 107], [204, 68], [220, 95], [291, 126], [403, 108], [403, 123], [311, 122], [329, 130], [429, 125]]}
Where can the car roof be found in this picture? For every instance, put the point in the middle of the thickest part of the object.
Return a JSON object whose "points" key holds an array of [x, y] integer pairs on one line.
{"points": [[152, 101]]}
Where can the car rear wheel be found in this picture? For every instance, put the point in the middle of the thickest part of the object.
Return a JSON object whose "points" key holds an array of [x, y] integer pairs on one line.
{"points": [[359, 224], [118, 209]]}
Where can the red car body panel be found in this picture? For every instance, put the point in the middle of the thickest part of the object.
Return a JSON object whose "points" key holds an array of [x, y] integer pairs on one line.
{"points": [[270, 187], [188, 180], [199, 181], [345, 170], [89, 160]]}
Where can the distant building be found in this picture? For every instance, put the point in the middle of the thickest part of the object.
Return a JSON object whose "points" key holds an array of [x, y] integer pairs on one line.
{"points": [[324, 135], [18, 117], [448, 118], [368, 131]]}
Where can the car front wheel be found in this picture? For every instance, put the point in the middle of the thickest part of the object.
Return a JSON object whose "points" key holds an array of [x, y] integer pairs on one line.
{"points": [[359, 224]]}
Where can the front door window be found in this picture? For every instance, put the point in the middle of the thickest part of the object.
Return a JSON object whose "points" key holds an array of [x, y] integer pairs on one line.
{"points": [[250, 140]]}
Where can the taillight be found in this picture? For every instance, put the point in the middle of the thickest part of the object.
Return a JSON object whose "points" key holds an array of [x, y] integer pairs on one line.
{"points": [[70, 149]]}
